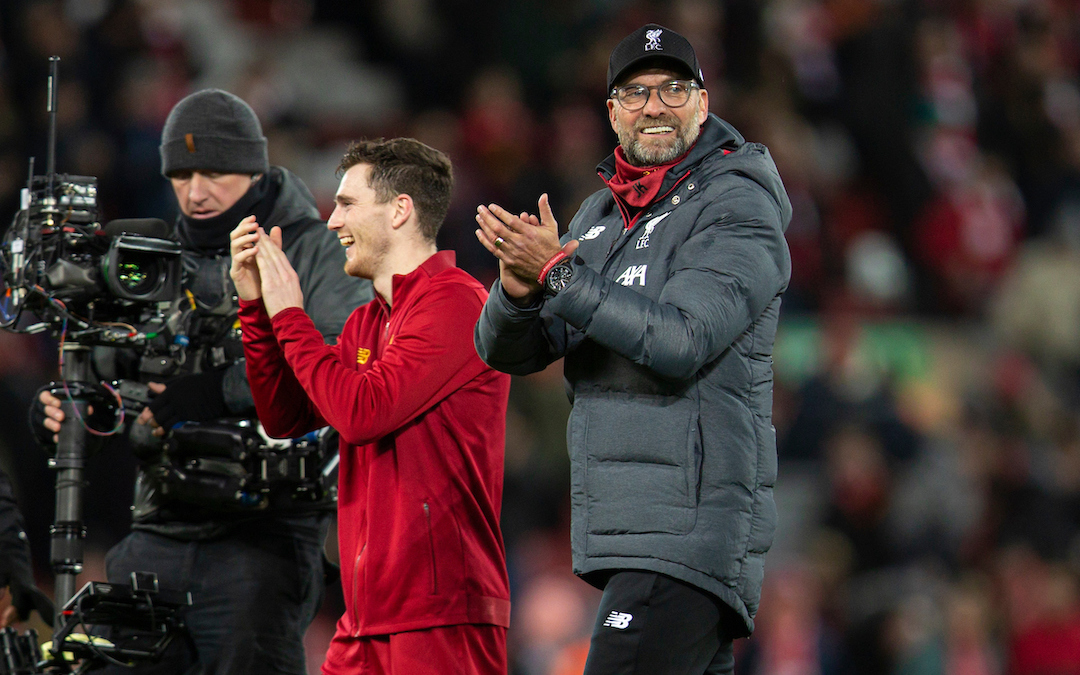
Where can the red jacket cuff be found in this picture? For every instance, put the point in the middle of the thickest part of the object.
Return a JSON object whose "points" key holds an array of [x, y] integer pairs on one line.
{"points": [[284, 315], [254, 320]]}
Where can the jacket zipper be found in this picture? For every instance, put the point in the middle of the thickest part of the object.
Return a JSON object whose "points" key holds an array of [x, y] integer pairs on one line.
{"points": [[356, 591], [431, 545], [629, 227]]}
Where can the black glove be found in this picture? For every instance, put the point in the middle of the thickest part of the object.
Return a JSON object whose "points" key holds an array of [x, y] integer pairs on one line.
{"points": [[26, 597], [36, 419], [191, 398], [102, 419], [15, 568]]}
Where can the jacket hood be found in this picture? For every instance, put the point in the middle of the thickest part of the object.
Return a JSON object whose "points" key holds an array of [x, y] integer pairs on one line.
{"points": [[752, 160]]}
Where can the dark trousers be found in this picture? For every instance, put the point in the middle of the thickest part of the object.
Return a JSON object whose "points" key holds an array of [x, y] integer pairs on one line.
{"points": [[651, 624], [254, 593]]}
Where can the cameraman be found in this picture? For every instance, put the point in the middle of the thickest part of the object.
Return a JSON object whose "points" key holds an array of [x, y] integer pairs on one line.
{"points": [[255, 576]]}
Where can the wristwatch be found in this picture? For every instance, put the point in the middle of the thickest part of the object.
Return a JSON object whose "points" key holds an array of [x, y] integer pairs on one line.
{"points": [[558, 277]]}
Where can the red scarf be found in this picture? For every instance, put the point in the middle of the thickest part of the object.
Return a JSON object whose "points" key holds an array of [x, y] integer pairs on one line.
{"points": [[637, 186]]}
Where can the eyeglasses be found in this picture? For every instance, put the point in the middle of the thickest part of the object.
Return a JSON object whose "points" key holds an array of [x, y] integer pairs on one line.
{"points": [[673, 94]]}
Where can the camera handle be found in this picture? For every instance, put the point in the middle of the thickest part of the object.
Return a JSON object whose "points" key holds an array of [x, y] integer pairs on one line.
{"points": [[68, 531]]}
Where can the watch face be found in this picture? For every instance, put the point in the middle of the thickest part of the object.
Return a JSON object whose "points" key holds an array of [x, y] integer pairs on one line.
{"points": [[558, 278]]}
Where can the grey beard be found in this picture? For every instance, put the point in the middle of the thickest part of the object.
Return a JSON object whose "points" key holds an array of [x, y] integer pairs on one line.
{"points": [[639, 155]]}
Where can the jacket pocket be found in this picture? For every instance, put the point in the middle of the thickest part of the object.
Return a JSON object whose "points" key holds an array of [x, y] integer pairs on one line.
{"points": [[642, 463]]}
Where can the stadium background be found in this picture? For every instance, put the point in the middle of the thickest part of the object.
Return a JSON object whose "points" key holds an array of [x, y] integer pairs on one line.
{"points": [[928, 361]]}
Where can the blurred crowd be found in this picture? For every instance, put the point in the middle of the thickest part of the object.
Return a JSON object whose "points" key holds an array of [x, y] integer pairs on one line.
{"points": [[928, 362]]}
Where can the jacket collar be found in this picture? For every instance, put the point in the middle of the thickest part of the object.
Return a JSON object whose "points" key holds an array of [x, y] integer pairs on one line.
{"points": [[285, 202], [406, 284], [716, 135]]}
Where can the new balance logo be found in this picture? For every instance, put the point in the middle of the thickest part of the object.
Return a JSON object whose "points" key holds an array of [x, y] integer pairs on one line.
{"points": [[618, 620], [634, 273], [593, 233]]}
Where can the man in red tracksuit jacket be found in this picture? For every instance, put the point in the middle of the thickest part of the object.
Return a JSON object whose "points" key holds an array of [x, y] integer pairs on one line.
{"points": [[422, 419]]}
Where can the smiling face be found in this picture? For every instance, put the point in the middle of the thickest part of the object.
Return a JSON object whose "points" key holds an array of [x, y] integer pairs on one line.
{"points": [[205, 194], [657, 134], [361, 222]]}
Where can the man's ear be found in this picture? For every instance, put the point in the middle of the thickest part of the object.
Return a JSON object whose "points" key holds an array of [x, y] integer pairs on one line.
{"points": [[403, 210]]}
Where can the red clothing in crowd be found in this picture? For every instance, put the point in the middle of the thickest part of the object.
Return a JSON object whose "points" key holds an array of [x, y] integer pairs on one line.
{"points": [[1050, 646], [422, 423]]}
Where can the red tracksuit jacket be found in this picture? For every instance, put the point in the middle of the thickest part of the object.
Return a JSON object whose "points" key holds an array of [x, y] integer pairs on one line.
{"points": [[422, 423]]}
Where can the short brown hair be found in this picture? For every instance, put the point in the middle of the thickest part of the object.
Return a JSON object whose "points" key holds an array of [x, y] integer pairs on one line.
{"points": [[406, 166]]}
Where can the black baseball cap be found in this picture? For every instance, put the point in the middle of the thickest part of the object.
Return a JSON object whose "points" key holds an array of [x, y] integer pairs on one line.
{"points": [[652, 42]]}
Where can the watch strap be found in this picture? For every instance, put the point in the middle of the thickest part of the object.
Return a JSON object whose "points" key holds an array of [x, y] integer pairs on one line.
{"points": [[552, 262]]}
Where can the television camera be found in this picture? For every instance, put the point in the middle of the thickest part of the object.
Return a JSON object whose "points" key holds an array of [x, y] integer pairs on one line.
{"points": [[88, 285], [119, 285]]}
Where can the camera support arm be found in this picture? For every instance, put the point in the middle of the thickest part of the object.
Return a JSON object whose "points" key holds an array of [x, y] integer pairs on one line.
{"points": [[68, 531]]}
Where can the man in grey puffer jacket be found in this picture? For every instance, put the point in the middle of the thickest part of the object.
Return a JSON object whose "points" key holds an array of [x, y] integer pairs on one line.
{"points": [[663, 297]]}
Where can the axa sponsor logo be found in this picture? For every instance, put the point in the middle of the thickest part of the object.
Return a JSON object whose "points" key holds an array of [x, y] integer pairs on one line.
{"points": [[619, 620], [633, 274], [593, 233]]}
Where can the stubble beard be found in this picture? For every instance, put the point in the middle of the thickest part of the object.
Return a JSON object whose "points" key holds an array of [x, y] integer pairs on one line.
{"points": [[367, 259], [641, 154]]}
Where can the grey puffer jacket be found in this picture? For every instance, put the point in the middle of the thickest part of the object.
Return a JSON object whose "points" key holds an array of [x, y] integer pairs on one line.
{"points": [[667, 332]]}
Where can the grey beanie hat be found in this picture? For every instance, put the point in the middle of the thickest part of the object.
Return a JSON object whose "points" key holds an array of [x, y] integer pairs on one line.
{"points": [[213, 130]]}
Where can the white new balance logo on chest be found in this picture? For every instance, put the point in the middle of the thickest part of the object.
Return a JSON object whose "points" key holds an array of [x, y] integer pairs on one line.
{"points": [[618, 620]]}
